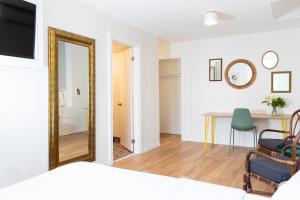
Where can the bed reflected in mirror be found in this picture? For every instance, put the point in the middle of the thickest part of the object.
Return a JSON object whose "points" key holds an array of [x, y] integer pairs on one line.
{"points": [[73, 70]]}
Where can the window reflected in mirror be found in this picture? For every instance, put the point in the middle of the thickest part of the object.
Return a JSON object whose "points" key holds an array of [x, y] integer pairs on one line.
{"points": [[215, 69], [282, 82]]}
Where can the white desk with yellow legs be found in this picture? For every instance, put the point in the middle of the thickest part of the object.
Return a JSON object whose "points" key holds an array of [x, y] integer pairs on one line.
{"points": [[210, 122]]}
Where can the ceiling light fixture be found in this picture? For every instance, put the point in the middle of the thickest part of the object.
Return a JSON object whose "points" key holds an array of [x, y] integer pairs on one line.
{"points": [[211, 18]]}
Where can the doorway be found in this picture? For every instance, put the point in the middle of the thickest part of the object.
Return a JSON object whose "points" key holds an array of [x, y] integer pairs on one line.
{"points": [[170, 96], [122, 101]]}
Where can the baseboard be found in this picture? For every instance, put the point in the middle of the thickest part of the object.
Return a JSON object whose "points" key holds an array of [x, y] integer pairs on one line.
{"points": [[191, 139], [150, 147], [170, 132]]}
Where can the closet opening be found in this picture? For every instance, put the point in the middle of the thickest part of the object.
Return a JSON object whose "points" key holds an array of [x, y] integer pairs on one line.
{"points": [[170, 96]]}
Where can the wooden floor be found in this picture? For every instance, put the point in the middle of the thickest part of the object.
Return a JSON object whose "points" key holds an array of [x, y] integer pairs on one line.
{"points": [[216, 164], [73, 145]]}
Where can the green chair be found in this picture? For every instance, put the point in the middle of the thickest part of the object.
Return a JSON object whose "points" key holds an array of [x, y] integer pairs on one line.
{"points": [[242, 121]]}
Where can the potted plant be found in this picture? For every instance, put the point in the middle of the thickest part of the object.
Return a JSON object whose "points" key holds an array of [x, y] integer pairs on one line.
{"points": [[275, 102]]}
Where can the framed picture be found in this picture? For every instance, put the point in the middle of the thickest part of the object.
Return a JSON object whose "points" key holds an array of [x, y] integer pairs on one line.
{"points": [[215, 69], [281, 82]]}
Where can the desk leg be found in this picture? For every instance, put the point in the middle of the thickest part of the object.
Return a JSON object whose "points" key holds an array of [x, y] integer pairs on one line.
{"points": [[213, 129], [284, 127], [206, 130]]}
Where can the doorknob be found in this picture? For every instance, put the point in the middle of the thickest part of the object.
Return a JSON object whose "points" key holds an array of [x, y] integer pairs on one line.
{"points": [[119, 104]]}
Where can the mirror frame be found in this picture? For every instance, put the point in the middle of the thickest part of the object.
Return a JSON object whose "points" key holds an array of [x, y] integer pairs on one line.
{"points": [[209, 61], [247, 62], [54, 36], [290, 82], [262, 59]]}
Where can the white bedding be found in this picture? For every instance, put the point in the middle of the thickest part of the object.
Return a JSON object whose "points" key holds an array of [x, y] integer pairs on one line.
{"points": [[88, 181], [255, 197]]}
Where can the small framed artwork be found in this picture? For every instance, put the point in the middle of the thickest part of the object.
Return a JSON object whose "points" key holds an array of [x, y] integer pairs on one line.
{"points": [[215, 69], [281, 82]]}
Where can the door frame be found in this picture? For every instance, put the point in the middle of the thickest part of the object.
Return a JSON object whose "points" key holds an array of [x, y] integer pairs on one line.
{"points": [[136, 93]]}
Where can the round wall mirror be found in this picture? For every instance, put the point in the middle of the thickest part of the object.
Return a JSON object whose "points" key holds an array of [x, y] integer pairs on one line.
{"points": [[270, 59], [240, 73]]}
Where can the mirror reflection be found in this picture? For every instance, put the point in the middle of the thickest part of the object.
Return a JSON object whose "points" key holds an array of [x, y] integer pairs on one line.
{"points": [[281, 82], [270, 60], [240, 74], [215, 69], [73, 70]]}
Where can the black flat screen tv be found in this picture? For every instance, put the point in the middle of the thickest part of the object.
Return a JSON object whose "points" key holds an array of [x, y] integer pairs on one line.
{"points": [[17, 28]]}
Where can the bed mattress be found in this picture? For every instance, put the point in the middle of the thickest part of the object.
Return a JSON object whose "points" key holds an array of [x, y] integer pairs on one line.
{"points": [[91, 181]]}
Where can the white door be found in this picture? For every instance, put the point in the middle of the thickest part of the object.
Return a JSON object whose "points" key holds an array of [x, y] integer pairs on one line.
{"points": [[125, 104], [122, 98]]}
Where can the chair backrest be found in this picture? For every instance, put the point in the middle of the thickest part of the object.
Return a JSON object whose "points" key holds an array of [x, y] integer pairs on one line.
{"points": [[295, 131], [242, 119], [295, 122]]}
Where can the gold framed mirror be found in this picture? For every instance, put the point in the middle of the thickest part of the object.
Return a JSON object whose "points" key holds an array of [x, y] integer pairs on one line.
{"points": [[71, 98], [240, 74]]}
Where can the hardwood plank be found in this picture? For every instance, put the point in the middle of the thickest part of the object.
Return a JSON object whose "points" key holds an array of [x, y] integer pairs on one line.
{"points": [[73, 145], [216, 164]]}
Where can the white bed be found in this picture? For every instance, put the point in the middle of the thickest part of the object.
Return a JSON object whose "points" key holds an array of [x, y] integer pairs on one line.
{"points": [[90, 181]]}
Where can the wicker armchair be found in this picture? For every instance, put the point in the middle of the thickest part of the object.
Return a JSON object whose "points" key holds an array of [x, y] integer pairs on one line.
{"points": [[277, 146], [269, 169]]}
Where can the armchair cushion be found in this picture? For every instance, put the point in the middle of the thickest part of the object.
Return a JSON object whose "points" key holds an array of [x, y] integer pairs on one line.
{"points": [[271, 144], [270, 170], [288, 152]]}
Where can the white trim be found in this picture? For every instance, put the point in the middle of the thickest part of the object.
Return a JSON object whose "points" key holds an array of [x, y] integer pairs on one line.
{"points": [[124, 157], [136, 91], [38, 62], [173, 132], [181, 96]]}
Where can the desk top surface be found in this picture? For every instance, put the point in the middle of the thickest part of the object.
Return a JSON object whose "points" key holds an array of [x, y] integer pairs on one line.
{"points": [[254, 115]]}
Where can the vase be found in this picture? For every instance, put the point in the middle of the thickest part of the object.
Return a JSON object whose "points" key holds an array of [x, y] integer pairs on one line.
{"points": [[274, 111]]}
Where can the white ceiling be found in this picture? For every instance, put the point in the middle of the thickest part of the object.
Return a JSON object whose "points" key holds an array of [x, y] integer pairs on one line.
{"points": [[181, 20]]}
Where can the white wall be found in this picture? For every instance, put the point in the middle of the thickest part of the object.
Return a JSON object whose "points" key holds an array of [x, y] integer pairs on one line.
{"points": [[170, 96], [163, 49], [24, 99], [200, 96]]}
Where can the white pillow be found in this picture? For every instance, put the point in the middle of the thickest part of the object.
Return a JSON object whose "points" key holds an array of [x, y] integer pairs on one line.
{"points": [[289, 190]]}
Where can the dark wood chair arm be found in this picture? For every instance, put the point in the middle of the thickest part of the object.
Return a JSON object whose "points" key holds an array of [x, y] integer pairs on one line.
{"points": [[261, 154], [288, 138], [271, 130]]}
